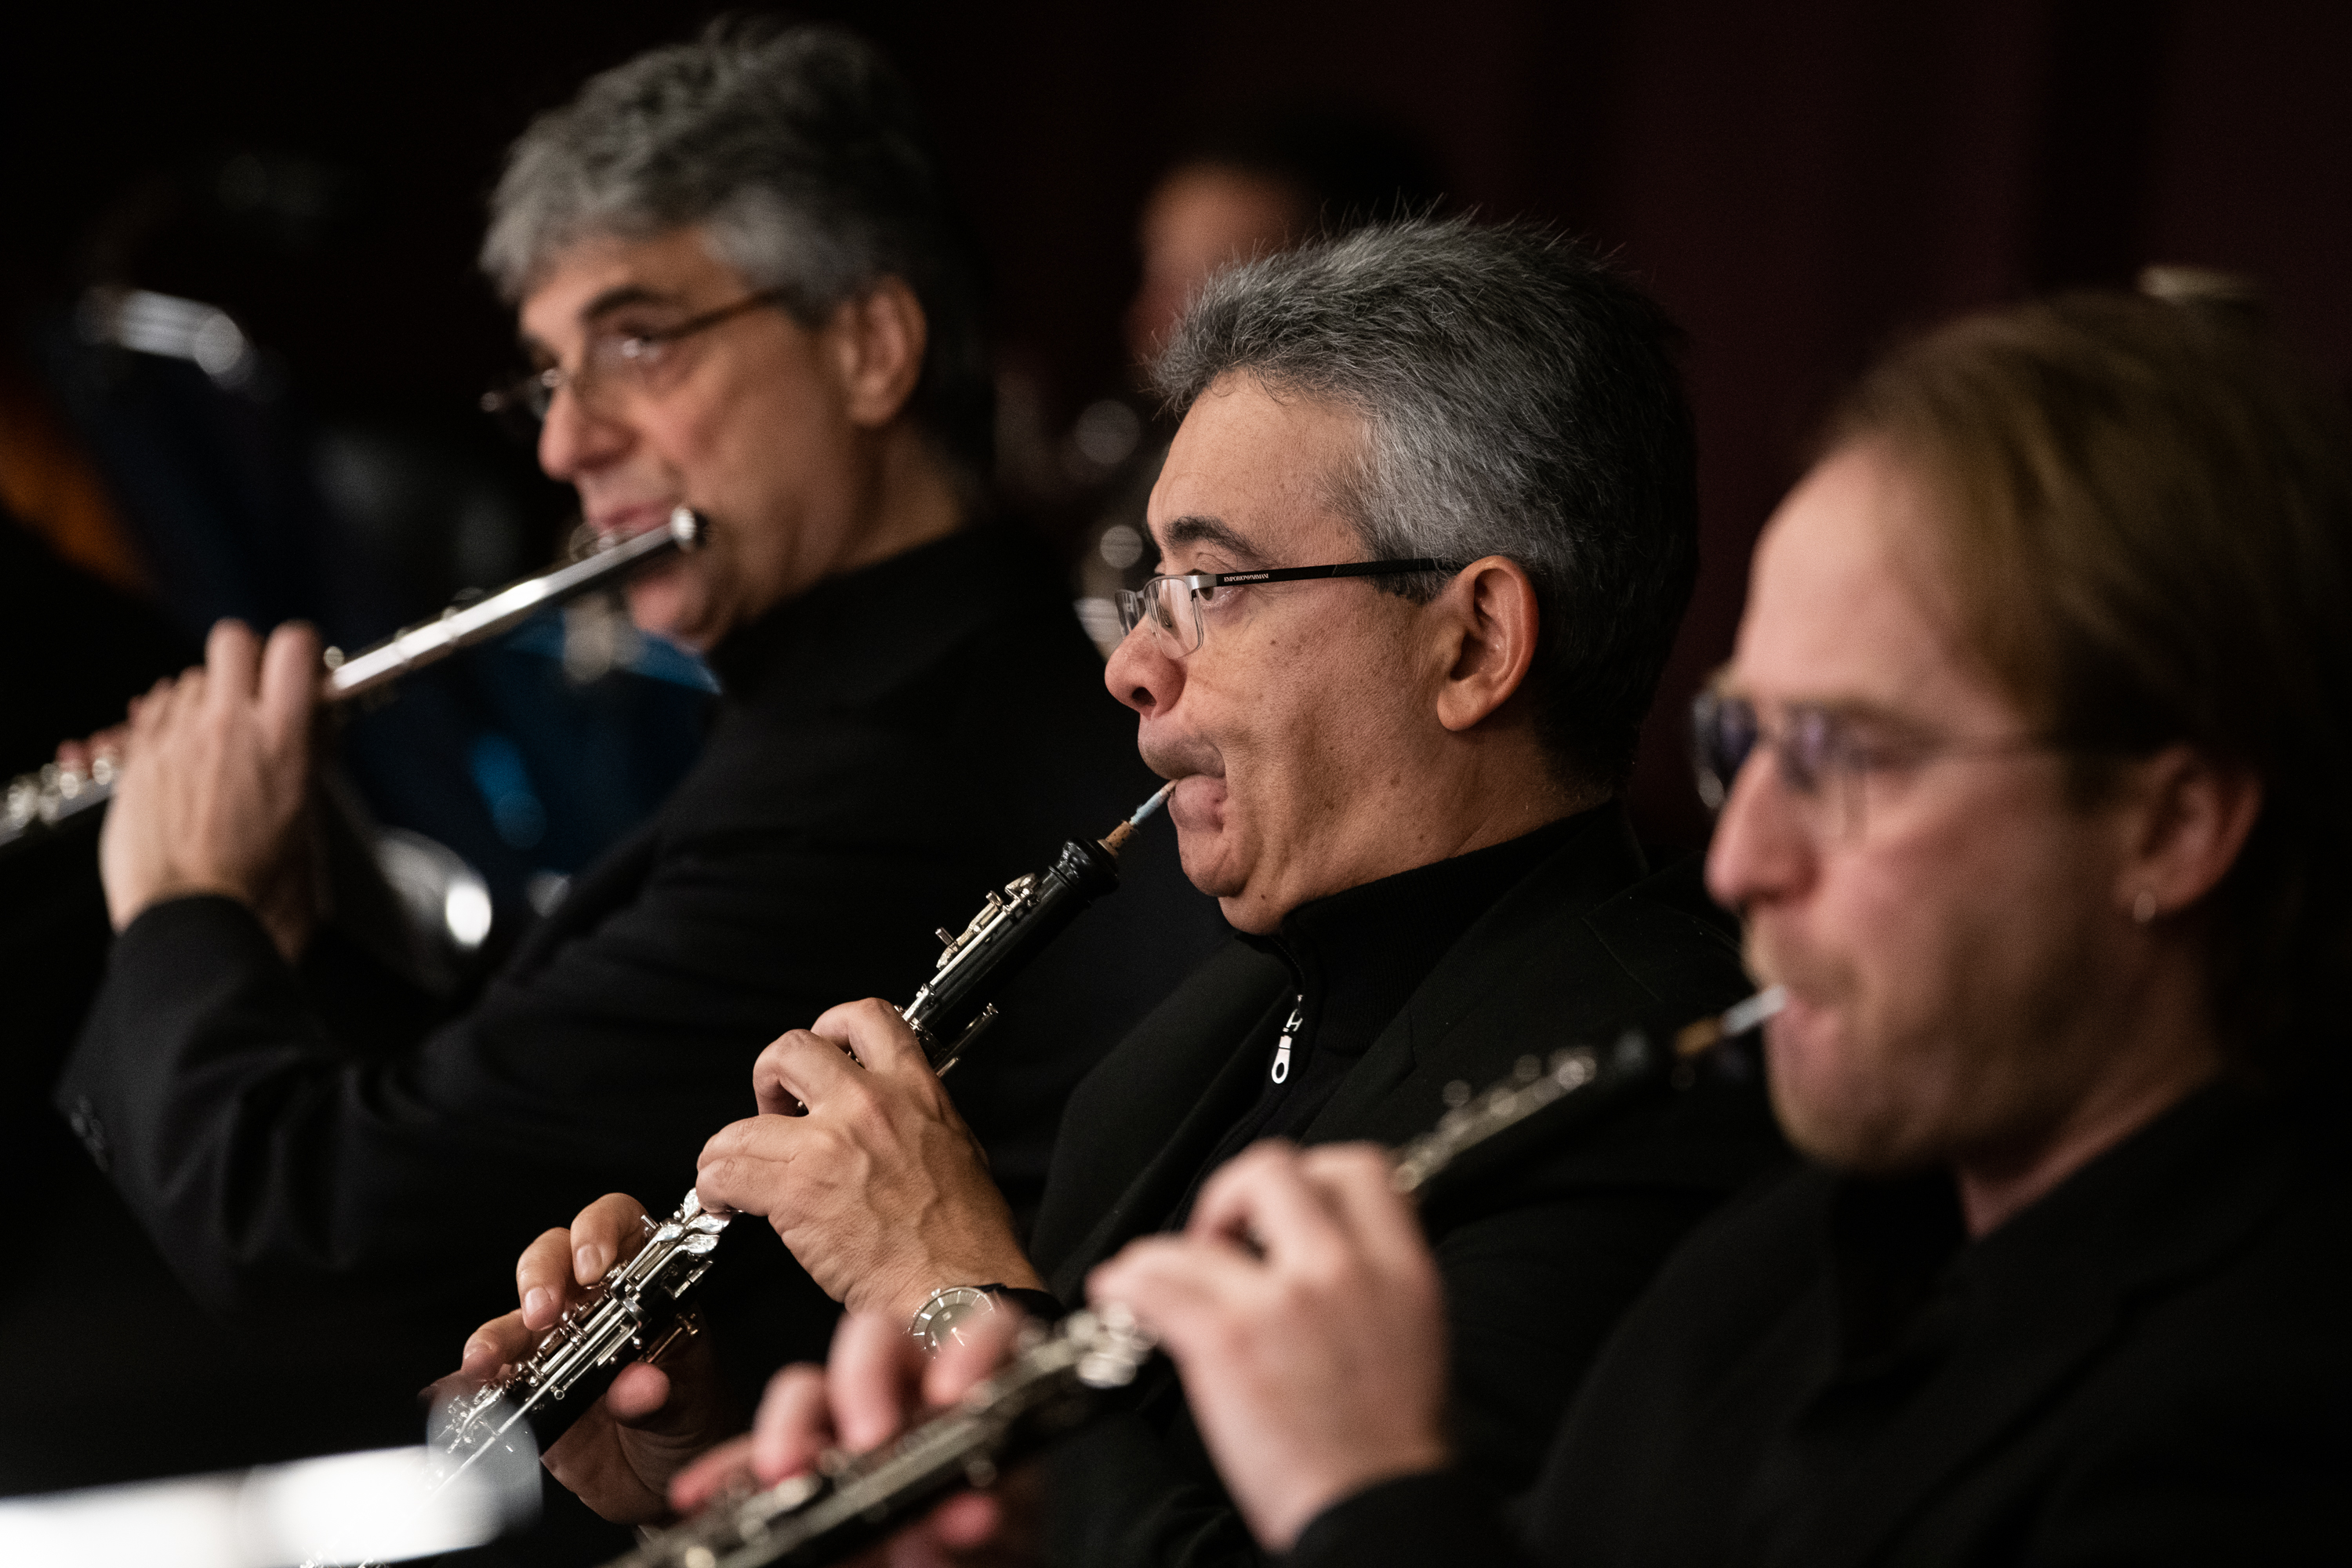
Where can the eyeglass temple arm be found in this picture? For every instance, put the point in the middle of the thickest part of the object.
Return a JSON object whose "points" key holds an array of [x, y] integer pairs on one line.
{"points": [[1346, 569]]}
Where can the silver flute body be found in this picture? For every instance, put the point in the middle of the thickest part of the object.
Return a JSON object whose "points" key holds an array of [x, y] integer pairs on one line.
{"points": [[54, 794], [1062, 1376], [633, 1312]]}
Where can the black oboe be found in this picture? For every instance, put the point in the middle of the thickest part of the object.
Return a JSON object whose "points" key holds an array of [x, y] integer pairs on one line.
{"points": [[633, 1312]]}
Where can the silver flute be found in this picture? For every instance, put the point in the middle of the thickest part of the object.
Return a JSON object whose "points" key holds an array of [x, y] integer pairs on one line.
{"points": [[633, 1312], [56, 794], [1062, 1376]]}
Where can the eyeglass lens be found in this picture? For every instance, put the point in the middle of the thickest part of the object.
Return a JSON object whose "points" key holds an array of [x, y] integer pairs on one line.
{"points": [[1723, 732], [1809, 749], [1171, 607], [613, 359]]}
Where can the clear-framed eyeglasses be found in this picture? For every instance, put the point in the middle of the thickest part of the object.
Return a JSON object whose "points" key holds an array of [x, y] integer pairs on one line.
{"points": [[612, 361], [1823, 757], [1171, 604]]}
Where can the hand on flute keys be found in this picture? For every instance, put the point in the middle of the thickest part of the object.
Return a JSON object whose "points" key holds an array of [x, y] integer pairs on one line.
{"points": [[1304, 1312], [113, 744], [214, 781], [876, 1382], [876, 1185], [619, 1456]]}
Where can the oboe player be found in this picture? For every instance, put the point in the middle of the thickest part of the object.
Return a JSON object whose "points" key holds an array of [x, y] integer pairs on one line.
{"points": [[2034, 737], [742, 288], [1399, 781]]}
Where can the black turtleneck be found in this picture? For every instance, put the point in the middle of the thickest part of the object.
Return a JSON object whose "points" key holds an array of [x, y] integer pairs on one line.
{"points": [[1356, 957]]}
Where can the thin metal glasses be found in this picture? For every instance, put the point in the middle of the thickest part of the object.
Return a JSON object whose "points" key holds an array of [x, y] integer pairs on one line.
{"points": [[1172, 604], [611, 359], [1823, 756]]}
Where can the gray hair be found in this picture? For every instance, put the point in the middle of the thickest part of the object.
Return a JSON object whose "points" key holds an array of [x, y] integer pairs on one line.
{"points": [[1519, 398], [802, 155]]}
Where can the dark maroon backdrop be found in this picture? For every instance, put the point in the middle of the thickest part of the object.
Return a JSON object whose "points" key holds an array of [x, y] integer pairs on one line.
{"points": [[1798, 182]]}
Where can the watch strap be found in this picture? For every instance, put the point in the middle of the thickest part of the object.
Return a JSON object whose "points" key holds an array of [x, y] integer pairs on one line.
{"points": [[1041, 1305]]}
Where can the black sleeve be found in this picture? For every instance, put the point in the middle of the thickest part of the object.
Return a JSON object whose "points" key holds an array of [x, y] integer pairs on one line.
{"points": [[1413, 1521], [279, 1168]]}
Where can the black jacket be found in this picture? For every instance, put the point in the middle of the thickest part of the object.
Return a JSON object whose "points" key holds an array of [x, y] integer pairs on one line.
{"points": [[1538, 1262], [892, 744], [2146, 1367]]}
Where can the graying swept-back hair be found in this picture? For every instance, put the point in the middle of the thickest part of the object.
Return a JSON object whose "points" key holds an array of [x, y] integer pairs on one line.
{"points": [[802, 154], [1519, 398]]}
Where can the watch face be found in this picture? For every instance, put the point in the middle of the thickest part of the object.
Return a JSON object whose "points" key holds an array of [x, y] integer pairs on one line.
{"points": [[936, 1323]]}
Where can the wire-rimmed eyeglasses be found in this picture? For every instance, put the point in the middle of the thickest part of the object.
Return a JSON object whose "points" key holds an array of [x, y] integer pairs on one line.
{"points": [[1172, 604], [1823, 755], [612, 359]]}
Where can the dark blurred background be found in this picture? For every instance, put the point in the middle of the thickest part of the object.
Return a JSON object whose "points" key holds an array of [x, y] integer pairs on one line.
{"points": [[1799, 183]]}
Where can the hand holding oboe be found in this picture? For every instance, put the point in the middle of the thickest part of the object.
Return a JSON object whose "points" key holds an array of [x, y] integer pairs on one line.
{"points": [[598, 1294], [877, 1187], [619, 1455]]}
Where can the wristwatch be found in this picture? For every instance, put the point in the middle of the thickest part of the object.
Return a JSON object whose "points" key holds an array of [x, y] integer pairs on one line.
{"points": [[935, 1321]]}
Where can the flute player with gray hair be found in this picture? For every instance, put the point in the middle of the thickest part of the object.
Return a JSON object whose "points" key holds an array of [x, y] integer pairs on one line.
{"points": [[742, 288]]}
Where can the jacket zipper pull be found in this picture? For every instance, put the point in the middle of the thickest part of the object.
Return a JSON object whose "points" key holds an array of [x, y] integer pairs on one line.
{"points": [[1289, 1033]]}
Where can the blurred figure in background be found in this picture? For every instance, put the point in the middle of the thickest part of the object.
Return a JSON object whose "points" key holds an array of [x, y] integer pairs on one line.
{"points": [[1241, 192], [1260, 186]]}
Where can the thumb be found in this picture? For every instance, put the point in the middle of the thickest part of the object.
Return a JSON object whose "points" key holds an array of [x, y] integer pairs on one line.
{"points": [[639, 1397]]}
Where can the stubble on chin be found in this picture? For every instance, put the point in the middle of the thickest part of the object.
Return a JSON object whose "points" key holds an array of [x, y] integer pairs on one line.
{"points": [[1851, 1103], [1816, 1122]]}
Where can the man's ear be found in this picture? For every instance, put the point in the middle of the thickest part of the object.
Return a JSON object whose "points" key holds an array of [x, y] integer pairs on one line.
{"points": [[2188, 818], [877, 342], [1487, 623]]}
